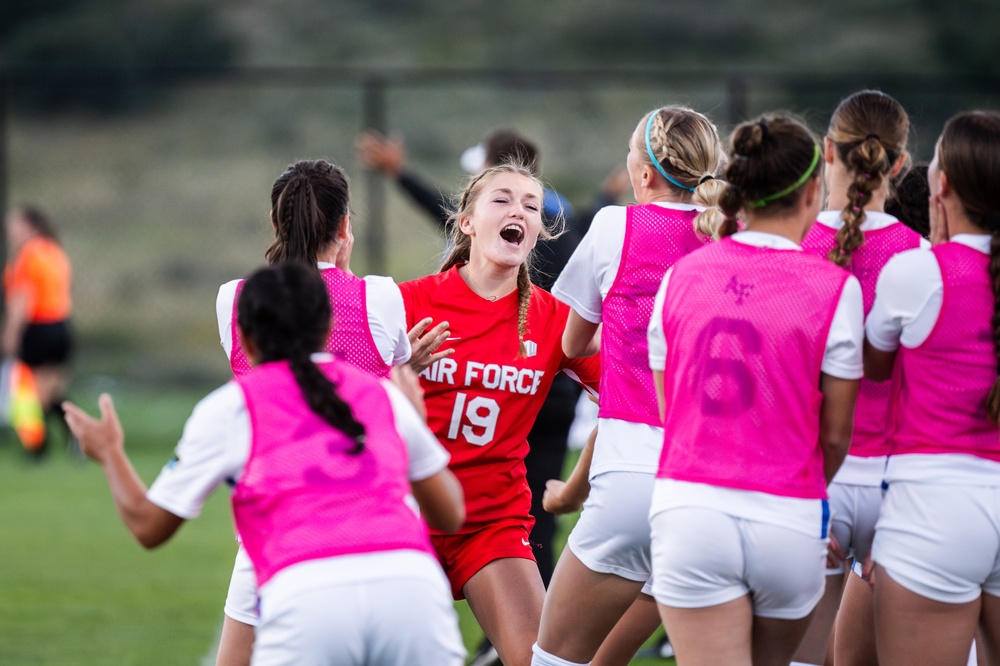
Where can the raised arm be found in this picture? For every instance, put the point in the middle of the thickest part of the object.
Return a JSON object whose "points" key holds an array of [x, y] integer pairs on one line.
{"points": [[104, 442], [388, 156]]}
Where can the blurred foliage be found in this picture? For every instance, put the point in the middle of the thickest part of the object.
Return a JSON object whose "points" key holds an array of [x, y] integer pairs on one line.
{"points": [[90, 55], [111, 44], [798, 36]]}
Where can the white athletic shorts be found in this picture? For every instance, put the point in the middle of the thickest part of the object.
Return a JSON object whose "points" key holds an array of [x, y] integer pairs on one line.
{"points": [[703, 557], [395, 614], [241, 601], [612, 535], [854, 512], [941, 541]]}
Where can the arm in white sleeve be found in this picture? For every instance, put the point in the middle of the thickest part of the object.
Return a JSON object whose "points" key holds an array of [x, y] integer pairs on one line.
{"points": [[426, 455], [387, 319], [224, 313], [907, 301], [213, 450], [655, 336], [843, 355], [592, 269]]}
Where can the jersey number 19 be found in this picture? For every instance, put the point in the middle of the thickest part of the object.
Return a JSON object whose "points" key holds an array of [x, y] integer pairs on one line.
{"points": [[479, 413]]}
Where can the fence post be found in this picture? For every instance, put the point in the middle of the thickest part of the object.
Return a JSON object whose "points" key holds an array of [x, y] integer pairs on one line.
{"points": [[375, 228]]}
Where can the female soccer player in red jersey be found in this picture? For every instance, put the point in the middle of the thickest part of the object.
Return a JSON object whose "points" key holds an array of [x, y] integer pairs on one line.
{"points": [[484, 390]]}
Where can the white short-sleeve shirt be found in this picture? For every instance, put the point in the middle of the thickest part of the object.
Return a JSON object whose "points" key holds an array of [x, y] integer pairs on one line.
{"points": [[908, 296], [386, 316], [842, 357], [862, 470], [908, 299], [215, 446], [591, 271], [622, 446]]}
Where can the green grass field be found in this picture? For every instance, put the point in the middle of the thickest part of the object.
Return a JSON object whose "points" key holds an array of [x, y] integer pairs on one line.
{"points": [[76, 589]]}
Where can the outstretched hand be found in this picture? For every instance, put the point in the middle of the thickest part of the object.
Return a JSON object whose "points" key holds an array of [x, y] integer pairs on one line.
{"points": [[98, 437], [378, 153], [424, 344]]}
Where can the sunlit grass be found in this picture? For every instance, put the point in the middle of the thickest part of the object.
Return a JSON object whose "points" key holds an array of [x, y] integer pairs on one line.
{"points": [[76, 589]]}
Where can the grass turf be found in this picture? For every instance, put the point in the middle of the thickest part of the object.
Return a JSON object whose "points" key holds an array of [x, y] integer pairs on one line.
{"points": [[76, 589]]}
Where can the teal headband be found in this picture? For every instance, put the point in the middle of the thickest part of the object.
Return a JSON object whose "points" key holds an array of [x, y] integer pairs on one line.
{"points": [[652, 157], [760, 203]]}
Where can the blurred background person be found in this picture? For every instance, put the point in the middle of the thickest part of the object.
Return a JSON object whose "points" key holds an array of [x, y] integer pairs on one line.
{"points": [[36, 327]]}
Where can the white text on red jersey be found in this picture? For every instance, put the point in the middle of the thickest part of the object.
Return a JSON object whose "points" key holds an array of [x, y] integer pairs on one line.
{"points": [[491, 376]]}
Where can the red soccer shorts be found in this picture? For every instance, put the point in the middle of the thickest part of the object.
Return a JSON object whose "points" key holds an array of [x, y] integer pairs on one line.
{"points": [[462, 555]]}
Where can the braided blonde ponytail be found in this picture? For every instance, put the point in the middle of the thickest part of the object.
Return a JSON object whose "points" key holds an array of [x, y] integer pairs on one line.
{"points": [[523, 301]]}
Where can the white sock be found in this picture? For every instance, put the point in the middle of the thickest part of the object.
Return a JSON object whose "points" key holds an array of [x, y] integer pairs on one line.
{"points": [[542, 658], [802, 663]]}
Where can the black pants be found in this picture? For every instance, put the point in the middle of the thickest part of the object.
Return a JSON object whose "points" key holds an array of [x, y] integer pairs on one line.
{"points": [[46, 344]]}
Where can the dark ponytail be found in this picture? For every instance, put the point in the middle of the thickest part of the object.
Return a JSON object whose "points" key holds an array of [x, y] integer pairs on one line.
{"points": [[308, 203], [772, 159], [285, 311]]}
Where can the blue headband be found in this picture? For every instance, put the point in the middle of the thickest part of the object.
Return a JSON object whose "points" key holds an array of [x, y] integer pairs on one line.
{"points": [[652, 157]]}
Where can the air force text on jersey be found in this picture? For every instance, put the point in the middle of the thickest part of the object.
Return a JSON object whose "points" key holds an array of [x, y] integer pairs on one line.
{"points": [[488, 375]]}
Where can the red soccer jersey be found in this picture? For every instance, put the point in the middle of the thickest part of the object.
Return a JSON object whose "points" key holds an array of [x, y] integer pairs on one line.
{"points": [[483, 400]]}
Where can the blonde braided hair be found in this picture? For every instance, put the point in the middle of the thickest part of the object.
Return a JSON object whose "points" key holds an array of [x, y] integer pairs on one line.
{"points": [[687, 146]]}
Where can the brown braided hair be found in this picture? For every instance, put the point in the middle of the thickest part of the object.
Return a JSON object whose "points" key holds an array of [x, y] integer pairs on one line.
{"points": [[767, 155], [284, 310], [308, 203], [969, 153], [462, 243], [869, 130]]}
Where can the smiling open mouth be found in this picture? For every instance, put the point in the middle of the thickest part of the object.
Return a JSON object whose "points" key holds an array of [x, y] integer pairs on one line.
{"points": [[512, 234]]}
